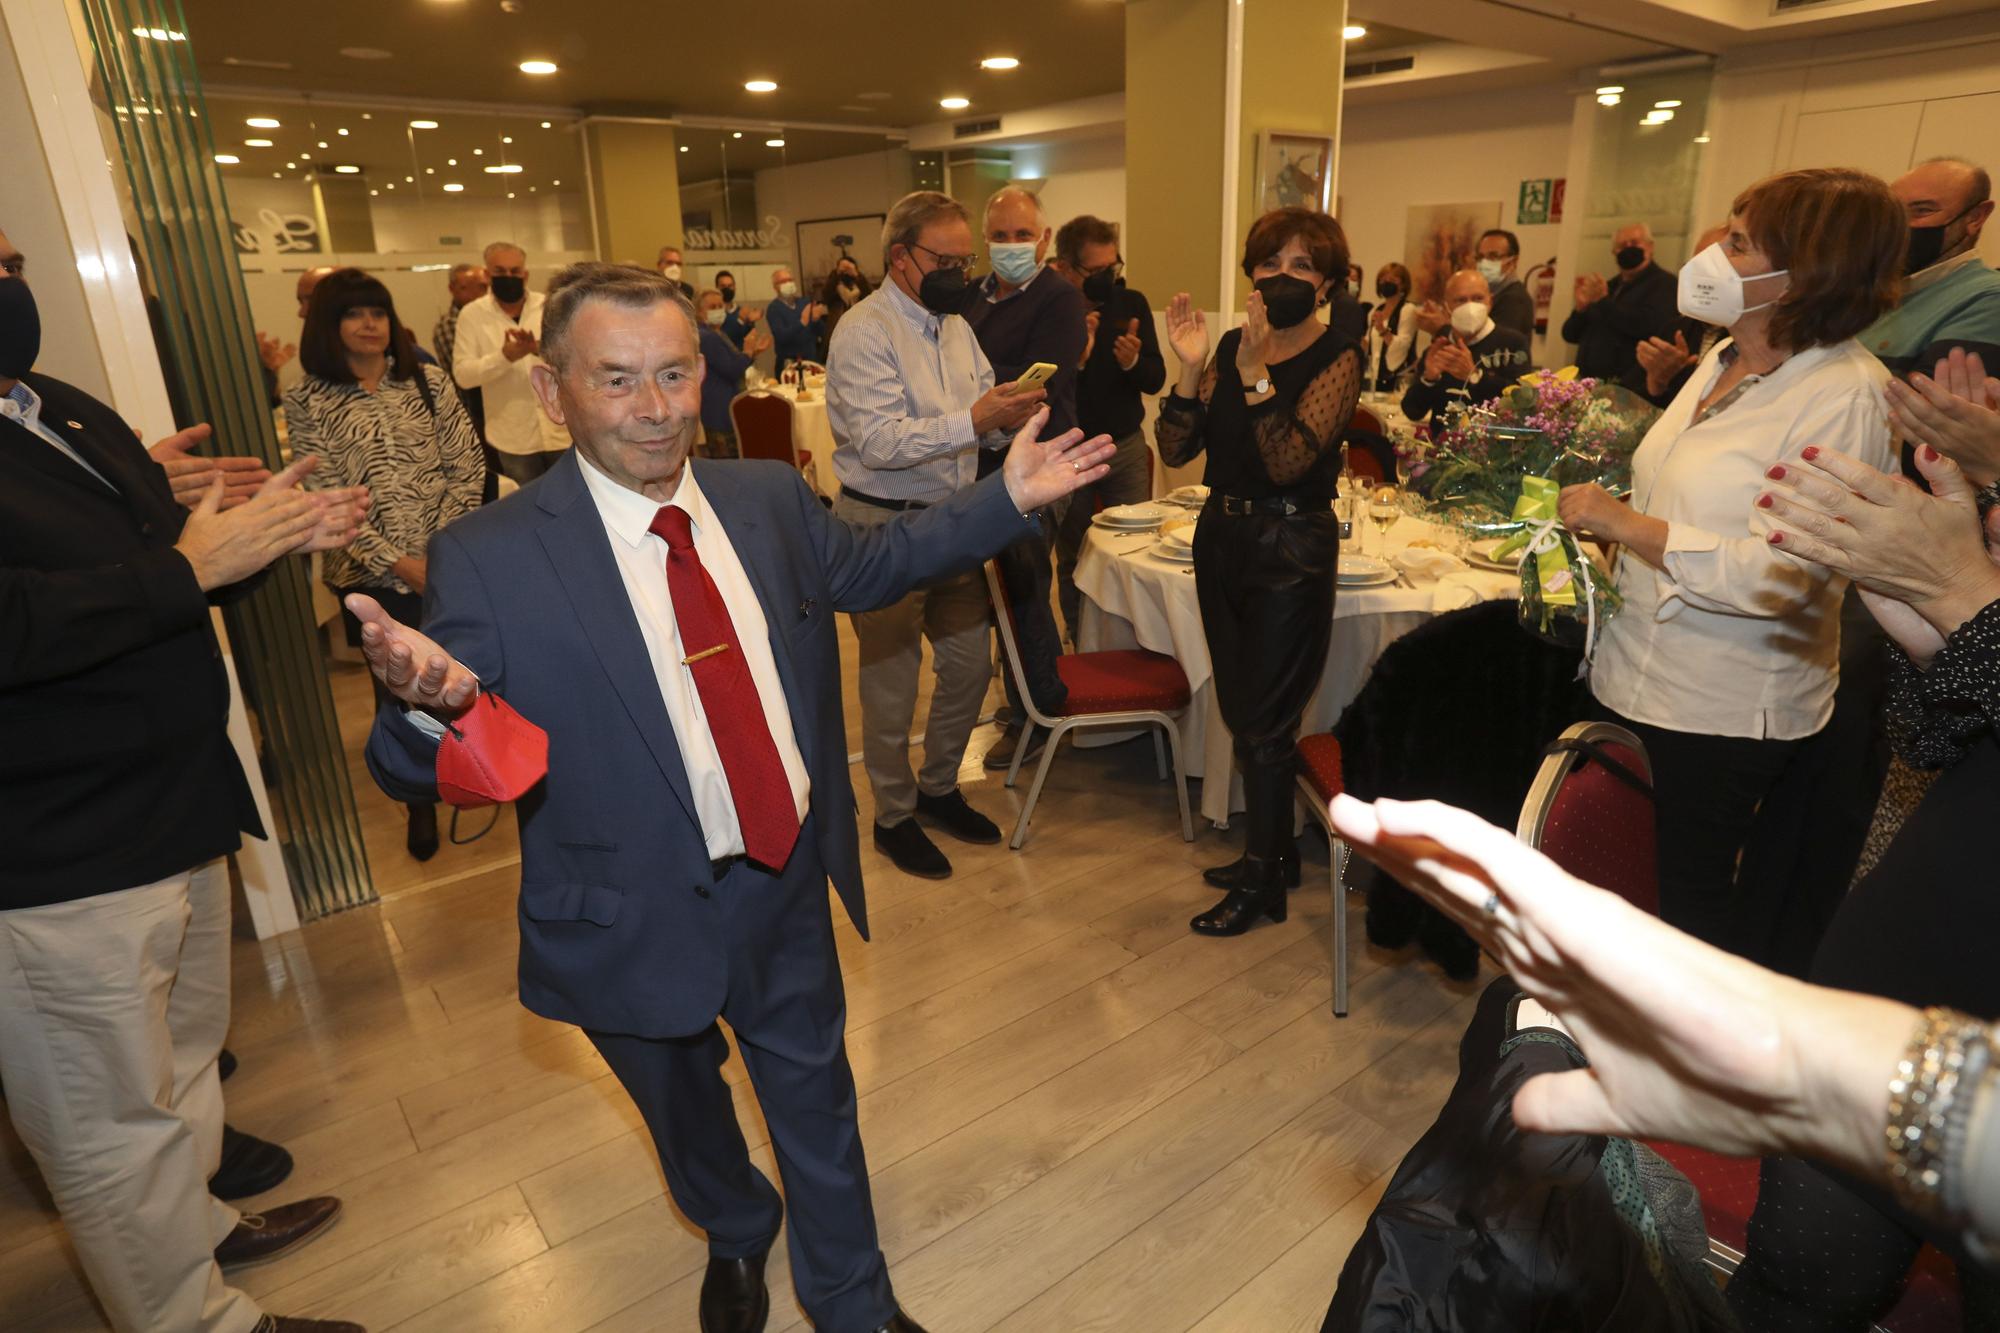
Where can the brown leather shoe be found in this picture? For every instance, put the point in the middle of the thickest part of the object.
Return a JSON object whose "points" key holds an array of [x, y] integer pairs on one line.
{"points": [[262, 1237], [277, 1323]]}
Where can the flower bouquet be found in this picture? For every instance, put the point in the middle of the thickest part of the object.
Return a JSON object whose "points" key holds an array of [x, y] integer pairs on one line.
{"points": [[1498, 470]]}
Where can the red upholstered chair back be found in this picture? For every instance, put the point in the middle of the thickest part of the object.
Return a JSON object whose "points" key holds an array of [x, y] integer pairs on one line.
{"points": [[1366, 420], [763, 424], [1592, 821], [1364, 464]]}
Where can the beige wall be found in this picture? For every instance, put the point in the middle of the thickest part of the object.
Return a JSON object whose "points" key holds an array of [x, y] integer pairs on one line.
{"points": [[1292, 65], [635, 189], [1174, 84]]}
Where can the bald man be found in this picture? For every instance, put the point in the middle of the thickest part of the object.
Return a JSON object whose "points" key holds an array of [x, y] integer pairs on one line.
{"points": [[1473, 359], [1953, 299], [1611, 319]]}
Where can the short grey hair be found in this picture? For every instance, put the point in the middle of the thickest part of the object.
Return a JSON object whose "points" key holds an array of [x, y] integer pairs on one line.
{"points": [[916, 210], [460, 270], [1006, 192], [487, 253], [621, 284], [1982, 183]]}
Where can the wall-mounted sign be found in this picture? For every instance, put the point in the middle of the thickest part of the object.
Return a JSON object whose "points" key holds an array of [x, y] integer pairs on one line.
{"points": [[1533, 208], [276, 233], [771, 236]]}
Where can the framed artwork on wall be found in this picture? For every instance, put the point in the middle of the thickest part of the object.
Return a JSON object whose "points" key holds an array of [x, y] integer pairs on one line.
{"points": [[822, 241], [1440, 239], [1294, 170]]}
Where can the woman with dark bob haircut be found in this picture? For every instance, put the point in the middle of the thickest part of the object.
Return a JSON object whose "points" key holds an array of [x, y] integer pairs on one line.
{"points": [[1271, 409], [376, 417], [1725, 655]]}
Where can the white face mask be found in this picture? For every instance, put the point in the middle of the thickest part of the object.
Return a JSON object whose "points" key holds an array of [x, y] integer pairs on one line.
{"points": [[1711, 290], [788, 289], [672, 273], [1492, 270], [715, 314], [1470, 318]]}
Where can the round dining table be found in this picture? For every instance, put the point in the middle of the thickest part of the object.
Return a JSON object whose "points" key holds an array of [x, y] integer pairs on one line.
{"points": [[812, 432], [1135, 597]]}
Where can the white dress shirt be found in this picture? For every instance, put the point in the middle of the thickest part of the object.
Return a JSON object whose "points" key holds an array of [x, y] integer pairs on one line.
{"points": [[900, 385], [1733, 637], [515, 422], [642, 561], [24, 405]]}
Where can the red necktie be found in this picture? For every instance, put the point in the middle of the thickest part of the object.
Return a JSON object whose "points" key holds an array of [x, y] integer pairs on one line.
{"points": [[756, 776]]}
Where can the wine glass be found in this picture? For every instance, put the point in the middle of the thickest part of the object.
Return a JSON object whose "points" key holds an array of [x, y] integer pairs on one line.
{"points": [[1383, 511]]}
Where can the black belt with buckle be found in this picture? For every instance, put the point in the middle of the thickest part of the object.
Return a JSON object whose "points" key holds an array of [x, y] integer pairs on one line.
{"points": [[1277, 504], [898, 505]]}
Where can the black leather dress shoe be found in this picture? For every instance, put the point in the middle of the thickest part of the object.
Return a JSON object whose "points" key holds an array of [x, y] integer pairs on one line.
{"points": [[734, 1298], [955, 816], [249, 1166], [1239, 910], [912, 850], [421, 839], [902, 1323], [1238, 872], [277, 1323]]}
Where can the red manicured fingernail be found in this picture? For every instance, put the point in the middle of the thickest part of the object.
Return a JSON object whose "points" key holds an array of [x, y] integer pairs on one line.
{"points": [[1764, 502], [1775, 473], [1930, 454], [1810, 452], [1777, 539]]}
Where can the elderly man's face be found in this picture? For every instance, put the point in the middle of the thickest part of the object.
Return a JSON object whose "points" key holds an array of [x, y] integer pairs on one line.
{"points": [[1464, 288], [1014, 220], [1634, 237], [779, 279], [468, 285], [1939, 194], [629, 391], [669, 258]]}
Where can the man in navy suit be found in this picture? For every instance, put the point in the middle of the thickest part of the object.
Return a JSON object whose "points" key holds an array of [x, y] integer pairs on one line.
{"points": [[671, 627]]}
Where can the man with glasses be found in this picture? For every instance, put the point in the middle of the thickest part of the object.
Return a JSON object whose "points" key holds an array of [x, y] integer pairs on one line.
{"points": [[1121, 365], [911, 398], [1499, 261], [499, 336]]}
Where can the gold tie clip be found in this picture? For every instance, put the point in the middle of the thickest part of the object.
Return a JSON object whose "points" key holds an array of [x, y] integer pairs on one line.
{"points": [[706, 652]]}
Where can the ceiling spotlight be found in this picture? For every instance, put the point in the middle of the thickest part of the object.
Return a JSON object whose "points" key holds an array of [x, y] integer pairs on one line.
{"points": [[423, 124], [291, 166], [452, 187], [322, 143], [774, 143], [409, 180], [277, 175], [451, 161], [684, 148], [506, 138], [1668, 105], [256, 143], [430, 171], [341, 131], [760, 86], [261, 123], [159, 34], [504, 169], [305, 157], [1702, 137], [737, 135], [1609, 99], [531, 189], [368, 115], [1611, 90], [954, 103], [1353, 32], [373, 193], [392, 185], [348, 169], [538, 66], [510, 194], [999, 62], [227, 159], [555, 182], [547, 125], [479, 152]]}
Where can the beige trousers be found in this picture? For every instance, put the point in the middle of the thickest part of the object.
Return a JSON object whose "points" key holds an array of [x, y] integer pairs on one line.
{"points": [[953, 614], [112, 1011]]}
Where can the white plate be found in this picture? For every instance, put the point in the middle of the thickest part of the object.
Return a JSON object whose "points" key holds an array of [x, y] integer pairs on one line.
{"points": [[1189, 495], [1110, 524], [1138, 515], [1180, 555], [1364, 571], [1480, 553]]}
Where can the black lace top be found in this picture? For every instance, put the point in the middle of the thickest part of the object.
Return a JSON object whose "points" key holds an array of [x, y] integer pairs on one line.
{"points": [[1936, 716], [1288, 444]]}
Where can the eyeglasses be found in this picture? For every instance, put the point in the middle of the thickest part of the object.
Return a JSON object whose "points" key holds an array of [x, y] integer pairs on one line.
{"points": [[962, 263], [1115, 267]]}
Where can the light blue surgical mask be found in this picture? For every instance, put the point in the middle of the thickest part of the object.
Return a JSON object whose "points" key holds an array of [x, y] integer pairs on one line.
{"points": [[1014, 261]]}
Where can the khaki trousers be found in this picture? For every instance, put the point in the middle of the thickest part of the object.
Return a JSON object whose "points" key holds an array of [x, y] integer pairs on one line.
{"points": [[953, 614], [112, 1012]]}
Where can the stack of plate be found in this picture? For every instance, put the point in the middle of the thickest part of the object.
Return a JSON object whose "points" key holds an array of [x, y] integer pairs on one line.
{"points": [[1132, 518], [1364, 571], [1194, 497], [1176, 543], [1480, 553]]}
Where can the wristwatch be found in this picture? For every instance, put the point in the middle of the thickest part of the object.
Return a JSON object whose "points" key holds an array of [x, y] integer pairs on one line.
{"points": [[1263, 385]]}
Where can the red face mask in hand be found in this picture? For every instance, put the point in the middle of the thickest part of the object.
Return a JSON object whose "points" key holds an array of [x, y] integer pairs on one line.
{"points": [[490, 755]]}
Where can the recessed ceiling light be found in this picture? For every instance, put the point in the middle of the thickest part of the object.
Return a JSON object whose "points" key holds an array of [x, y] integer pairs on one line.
{"points": [[452, 187], [341, 131], [373, 193], [430, 171], [506, 138], [1702, 137], [774, 143], [504, 169], [999, 62], [1661, 117], [322, 143], [1609, 99], [479, 152], [546, 125], [291, 166], [392, 185], [1353, 32], [256, 143], [159, 34], [277, 175], [760, 86], [510, 194], [261, 123], [1611, 89], [366, 53], [737, 135], [538, 66], [451, 161], [348, 169], [954, 103], [227, 159], [684, 148], [1668, 105], [368, 115], [423, 124], [305, 157], [555, 182]]}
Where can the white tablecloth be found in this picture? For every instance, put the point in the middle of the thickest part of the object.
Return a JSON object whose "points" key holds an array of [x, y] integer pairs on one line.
{"points": [[812, 433], [1134, 598]]}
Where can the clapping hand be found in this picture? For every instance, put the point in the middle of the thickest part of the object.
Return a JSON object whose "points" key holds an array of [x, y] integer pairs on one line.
{"points": [[190, 475], [519, 343], [1039, 472], [1685, 1042], [1590, 289], [1448, 357], [279, 520], [1126, 348], [1663, 360], [1187, 331], [1433, 318], [410, 666], [273, 353], [1956, 412], [1253, 349]]}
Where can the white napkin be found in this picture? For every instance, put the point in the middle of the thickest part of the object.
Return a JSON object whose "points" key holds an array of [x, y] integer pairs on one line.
{"points": [[1428, 562], [1457, 591]]}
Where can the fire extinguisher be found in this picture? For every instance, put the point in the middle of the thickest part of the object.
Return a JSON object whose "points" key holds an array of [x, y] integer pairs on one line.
{"points": [[1541, 284]]}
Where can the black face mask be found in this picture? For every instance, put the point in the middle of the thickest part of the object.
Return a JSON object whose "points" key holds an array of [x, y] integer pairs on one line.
{"points": [[1100, 286], [20, 329], [1288, 301], [1387, 290], [1629, 257], [942, 291], [1927, 243], [728, 295], [508, 290]]}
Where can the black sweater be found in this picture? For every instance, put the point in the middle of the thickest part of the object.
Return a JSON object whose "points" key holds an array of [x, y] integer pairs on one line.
{"points": [[1607, 333], [1111, 400]]}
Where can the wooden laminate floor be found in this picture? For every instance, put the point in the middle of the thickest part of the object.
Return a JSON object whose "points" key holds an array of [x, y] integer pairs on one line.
{"points": [[1078, 1116]]}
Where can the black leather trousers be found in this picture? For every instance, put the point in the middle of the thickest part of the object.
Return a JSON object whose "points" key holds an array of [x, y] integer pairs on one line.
{"points": [[1265, 582]]}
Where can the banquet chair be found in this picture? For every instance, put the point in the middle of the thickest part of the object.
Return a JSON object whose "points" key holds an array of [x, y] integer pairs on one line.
{"points": [[1370, 456], [763, 422], [1319, 783], [1115, 688], [1365, 419]]}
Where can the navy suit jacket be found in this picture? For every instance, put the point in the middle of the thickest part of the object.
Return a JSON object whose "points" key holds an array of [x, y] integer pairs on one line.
{"points": [[617, 933]]}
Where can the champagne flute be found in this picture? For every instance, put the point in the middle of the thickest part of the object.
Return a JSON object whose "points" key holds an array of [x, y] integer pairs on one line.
{"points": [[1383, 511]]}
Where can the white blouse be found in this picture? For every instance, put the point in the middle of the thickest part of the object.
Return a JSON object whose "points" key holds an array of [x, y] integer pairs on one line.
{"points": [[1734, 637]]}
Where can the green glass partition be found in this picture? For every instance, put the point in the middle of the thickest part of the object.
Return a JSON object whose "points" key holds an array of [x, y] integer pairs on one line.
{"points": [[149, 96]]}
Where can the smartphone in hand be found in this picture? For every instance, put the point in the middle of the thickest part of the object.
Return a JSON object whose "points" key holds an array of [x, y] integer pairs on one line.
{"points": [[1035, 376]]}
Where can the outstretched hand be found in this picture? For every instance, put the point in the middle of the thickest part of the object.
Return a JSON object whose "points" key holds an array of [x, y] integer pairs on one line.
{"points": [[409, 665], [1956, 412], [1039, 472], [191, 475], [1685, 1042]]}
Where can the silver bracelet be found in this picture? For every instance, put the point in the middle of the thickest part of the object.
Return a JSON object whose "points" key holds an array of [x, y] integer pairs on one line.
{"points": [[1922, 1094], [1952, 1196]]}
